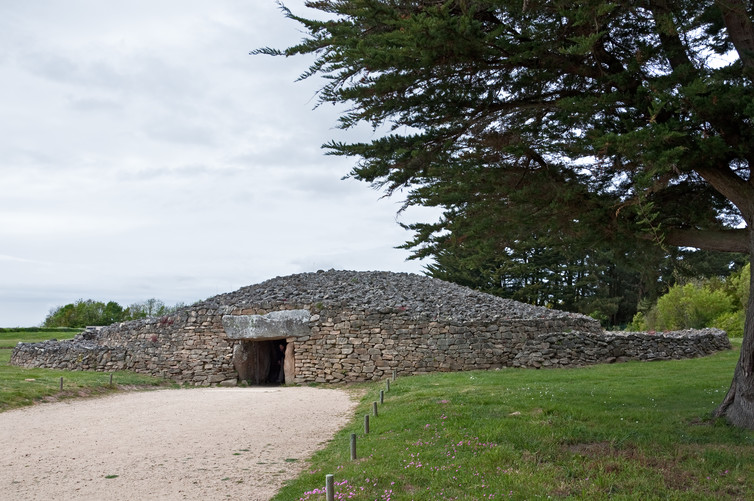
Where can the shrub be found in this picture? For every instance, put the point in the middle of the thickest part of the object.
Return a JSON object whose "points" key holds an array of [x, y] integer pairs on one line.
{"points": [[638, 323], [717, 302], [738, 286], [732, 323], [691, 306]]}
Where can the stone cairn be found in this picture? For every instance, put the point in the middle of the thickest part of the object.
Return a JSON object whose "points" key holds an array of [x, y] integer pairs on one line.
{"points": [[346, 326]]}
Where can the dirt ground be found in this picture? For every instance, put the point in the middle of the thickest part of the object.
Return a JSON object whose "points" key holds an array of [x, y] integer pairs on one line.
{"points": [[208, 444]]}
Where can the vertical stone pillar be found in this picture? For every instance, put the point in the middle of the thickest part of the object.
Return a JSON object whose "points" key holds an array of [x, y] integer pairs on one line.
{"points": [[241, 360], [289, 364]]}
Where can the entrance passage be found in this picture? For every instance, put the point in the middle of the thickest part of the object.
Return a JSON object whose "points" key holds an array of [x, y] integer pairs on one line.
{"points": [[262, 362], [264, 344]]}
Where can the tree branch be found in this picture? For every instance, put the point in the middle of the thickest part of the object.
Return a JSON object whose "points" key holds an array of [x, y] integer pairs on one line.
{"points": [[713, 240], [675, 51], [732, 187], [740, 30]]}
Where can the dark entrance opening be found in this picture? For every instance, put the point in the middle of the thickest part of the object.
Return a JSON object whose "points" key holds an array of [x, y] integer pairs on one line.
{"points": [[276, 374], [261, 362]]}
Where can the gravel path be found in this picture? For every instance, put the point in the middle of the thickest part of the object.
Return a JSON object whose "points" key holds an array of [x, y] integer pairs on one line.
{"points": [[211, 443]]}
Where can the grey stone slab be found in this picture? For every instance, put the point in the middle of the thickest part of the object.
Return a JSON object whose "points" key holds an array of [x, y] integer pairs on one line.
{"points": [[274, 325]]}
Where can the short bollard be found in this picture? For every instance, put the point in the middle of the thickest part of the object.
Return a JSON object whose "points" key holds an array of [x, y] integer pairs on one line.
{"points": [[382, 397], [330, 488], [61, 383], [353, 447], [366, 423], [111, 379], [374, 408]]}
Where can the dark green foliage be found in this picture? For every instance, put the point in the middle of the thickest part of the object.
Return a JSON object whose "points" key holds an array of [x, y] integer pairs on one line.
{"points": [[561, 139], [78, 314], [579, 124], [89, 312], [112, 312], [494, 92]]}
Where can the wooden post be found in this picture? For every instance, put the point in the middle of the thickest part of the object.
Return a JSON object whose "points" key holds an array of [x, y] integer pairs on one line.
{"points": [[387, 385], [394, 372], [353, 447], [366, 423], [111, 379], [382, 397], [330, 488], [374, 408], [61, 383]]}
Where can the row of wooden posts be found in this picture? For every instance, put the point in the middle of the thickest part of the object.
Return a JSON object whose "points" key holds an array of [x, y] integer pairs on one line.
{"points": [[329, 479], [61, 381]]}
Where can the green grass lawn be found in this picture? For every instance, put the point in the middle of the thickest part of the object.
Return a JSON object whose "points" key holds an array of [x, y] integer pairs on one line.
{"points": [[19, 386], [624, 431], [11, 337]]}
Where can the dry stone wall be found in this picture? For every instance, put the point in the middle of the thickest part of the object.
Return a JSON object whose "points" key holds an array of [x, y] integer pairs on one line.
{"points": [[360, 326], [568, 350], [189, 346], [358, 345]]}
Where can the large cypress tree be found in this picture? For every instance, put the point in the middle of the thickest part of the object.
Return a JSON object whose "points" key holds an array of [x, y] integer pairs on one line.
{"points": [[585, 119]]}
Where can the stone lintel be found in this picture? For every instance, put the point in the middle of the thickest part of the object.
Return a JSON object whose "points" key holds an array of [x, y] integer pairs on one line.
{"points": [[274, 325]]}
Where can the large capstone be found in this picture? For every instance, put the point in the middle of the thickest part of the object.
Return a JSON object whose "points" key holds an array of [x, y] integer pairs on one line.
{"points": [[274, 325]]}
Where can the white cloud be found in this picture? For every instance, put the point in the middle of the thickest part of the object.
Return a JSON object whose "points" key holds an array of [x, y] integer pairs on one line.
{"points": [[144, 153]]}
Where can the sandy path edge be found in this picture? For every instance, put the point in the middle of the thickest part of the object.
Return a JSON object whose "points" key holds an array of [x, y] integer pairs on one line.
{"points": [[209, 443]]}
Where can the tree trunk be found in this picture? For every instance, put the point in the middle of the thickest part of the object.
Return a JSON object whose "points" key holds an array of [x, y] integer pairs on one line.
{"points": [[740, 30], [738, 405]]}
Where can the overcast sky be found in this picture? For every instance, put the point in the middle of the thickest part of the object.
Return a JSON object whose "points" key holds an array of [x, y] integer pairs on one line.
{"points": [[144, 153]]}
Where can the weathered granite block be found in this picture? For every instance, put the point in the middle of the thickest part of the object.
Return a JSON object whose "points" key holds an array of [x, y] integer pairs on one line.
{"points": [[273, 325]]}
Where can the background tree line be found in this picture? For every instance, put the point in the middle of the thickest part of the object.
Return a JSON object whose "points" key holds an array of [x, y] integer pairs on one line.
{"points": [[89, 312], [607, 284]]}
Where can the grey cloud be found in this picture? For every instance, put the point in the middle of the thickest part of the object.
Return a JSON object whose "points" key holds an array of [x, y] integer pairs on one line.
{"points": [[176, 130], [165, 160], [90, 104]]}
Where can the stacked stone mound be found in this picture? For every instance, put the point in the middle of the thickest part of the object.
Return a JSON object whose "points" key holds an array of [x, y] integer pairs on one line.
{"points": [[353, 326], [379, 291]]}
